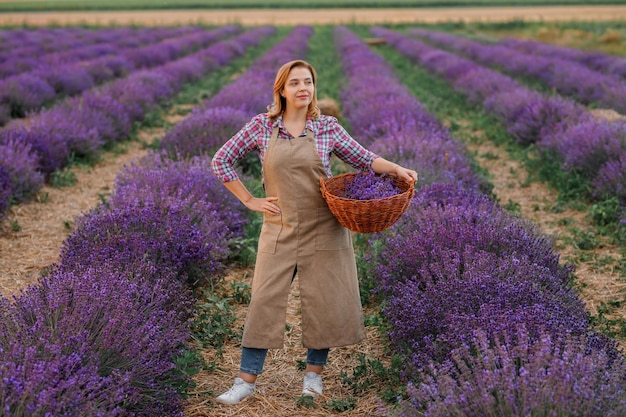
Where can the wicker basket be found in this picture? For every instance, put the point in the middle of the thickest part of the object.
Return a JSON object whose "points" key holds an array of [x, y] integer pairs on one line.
{"points": [[365, 216]]}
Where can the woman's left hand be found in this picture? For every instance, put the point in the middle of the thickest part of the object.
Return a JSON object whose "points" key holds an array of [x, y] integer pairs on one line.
{"points": [[406, 174], [383, 166]]}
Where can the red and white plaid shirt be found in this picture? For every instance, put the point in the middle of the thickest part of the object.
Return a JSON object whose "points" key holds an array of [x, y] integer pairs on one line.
{"points": [[330, 137]]}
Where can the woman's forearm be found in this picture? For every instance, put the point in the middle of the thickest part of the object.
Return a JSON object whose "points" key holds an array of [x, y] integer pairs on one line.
{"points": [[382, 166], [239, 190]]}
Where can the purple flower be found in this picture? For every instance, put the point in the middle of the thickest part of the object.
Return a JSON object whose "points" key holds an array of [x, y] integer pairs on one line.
{"points": [[519, 377], [25, 93], [611, 180], [50, 147], [6, 190], [175, 214], [369, 186], [203, 131], [20, 163], [99, 342], [585, 147]]}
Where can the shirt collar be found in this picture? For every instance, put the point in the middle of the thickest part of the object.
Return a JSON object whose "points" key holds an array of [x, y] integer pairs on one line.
{"points": [[279, 123]]}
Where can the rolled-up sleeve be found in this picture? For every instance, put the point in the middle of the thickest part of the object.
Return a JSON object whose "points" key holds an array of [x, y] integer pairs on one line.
{"points": [[349, 150], [234, 150]]}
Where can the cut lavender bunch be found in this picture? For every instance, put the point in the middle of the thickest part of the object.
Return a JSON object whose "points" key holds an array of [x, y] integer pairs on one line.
{"points": [[370, 186]]}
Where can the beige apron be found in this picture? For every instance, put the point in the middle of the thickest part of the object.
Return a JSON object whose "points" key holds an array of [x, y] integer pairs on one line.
{"points": [[305, 234]]}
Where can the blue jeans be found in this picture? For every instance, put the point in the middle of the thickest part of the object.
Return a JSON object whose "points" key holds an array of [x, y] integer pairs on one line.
{"points": [[252, 359]]}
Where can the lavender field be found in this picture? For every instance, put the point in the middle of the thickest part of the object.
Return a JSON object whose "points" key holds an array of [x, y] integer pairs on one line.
{"points": [[481, 309]]}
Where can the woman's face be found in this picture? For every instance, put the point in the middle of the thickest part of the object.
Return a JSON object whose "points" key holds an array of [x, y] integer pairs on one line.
{"points": [[298, 90]]}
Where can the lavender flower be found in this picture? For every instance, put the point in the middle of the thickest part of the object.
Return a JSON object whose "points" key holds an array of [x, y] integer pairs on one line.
{"points": [[520, 377], [369, 186], [6, 191], [203, 131], [187, 241], [611, 180], [96, 343], [20, 163], [585, 147], [50, 148], [24, 93]]}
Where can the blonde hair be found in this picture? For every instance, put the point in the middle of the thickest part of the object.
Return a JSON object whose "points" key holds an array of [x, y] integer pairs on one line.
{"points": [[279, 104]]}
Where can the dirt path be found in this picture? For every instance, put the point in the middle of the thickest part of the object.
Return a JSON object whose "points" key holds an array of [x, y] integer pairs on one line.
{"points": [[316, 16]]}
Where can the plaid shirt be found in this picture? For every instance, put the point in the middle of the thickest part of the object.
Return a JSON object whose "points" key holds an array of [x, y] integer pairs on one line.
{"points": [[330, 137]]}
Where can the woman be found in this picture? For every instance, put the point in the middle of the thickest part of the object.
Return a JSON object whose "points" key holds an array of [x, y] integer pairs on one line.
{"points": [[299, 233]]}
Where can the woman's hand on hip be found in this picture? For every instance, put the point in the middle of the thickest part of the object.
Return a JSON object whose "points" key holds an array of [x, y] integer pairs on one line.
{"points": [[263, 205]]}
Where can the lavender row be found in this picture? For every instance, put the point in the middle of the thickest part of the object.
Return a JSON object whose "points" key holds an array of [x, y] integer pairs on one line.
{"points": [[52, 39], [72, 47], [30, 91], [81, 125], [213, 122], [568, 78], [591, 148], [101, 334], [482, 313], [69, 45], [460, 275], [598, 61], [398, 127]]}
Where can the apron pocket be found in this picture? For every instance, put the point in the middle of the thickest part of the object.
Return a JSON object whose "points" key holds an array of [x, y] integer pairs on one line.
{"points": [[272, 225], [329, 233]]}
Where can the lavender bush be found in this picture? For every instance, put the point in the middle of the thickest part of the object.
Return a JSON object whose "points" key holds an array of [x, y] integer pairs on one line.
{"points": [[611, 181], [18, 160], [158, 180], [99, 342], [203, 131], [187, 240], [443, 222], [50, 148], [488, 292], [6, 191], [24, 93], [521, 377], [586, 147], [530, 117]]}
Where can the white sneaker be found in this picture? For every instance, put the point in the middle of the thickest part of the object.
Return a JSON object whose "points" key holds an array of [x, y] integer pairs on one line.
{"points": [[312, 384], [239, 391]]}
